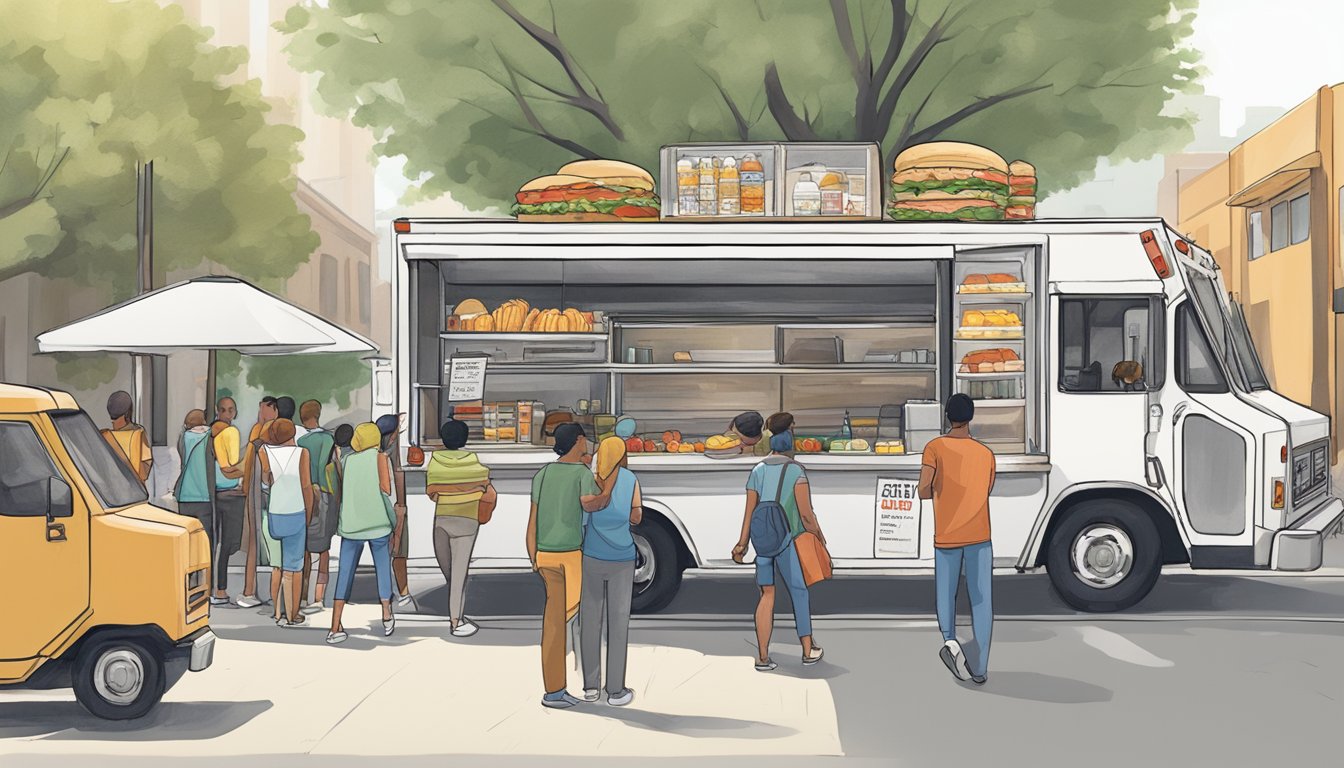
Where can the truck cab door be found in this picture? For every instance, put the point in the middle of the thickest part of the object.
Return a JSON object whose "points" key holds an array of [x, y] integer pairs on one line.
{"points": [[44, 548], [1205, 460]]}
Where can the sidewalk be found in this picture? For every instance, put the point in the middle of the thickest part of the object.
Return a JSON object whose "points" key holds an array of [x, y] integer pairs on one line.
{"points": [[277, 691]]}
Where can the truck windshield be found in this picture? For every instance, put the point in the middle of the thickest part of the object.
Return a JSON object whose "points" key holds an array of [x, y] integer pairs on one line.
{"points": [[111, 479], [1226, 331]]}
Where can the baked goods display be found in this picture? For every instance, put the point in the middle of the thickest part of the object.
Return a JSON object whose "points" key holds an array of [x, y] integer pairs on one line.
{"points": [[994, 282], [517, 316], [857, 445], [890, 447], [991, 361], [990, 324], [589, 190]]}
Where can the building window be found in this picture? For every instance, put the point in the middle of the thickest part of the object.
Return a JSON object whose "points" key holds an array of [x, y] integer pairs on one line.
{"points": [[1256, 237], [329, 287], [1278, 227], [365, 297], [1299, 212], [1109, 345]]}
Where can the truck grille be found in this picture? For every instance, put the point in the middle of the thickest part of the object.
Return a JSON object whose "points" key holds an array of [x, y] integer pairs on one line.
{"points": [[1311, 472]]}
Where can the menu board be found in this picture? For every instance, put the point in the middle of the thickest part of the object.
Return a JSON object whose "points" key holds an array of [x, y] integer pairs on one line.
{"points": [[898, 512], [466, 379]]}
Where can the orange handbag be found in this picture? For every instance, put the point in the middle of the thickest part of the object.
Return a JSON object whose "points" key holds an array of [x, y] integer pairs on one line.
{"points": [[486, 506], [812, 554]]}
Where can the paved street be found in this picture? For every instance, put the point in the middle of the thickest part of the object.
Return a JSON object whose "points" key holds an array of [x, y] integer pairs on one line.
{"points": [[1203, 657]]}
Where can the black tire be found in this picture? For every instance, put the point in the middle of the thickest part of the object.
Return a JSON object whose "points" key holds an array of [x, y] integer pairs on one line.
{"points": [[653, 595], [133, 661], [1093, 516]]}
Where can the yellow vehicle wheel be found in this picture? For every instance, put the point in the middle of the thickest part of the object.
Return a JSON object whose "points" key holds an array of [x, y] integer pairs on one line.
{"points": [[118, 678]]}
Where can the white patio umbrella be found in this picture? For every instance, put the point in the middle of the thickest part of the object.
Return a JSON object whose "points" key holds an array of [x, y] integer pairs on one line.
{"points": [[207, 313]]}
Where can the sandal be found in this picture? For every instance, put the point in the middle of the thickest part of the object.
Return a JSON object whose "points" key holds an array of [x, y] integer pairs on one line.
{"points": [[814, 657]]}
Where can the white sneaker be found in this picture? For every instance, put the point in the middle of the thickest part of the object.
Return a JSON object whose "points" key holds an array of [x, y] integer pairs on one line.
{"points": [[955, 660], [220, 602], [336, 638], [404, 600], [248, 601], [310, 609], [465, 628], [621, 699], [591, 694], [389, 626]]}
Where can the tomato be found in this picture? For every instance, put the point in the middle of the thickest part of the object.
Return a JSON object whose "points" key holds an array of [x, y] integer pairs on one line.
{"points": [[634, 445], [635, 211], [649, 446]]}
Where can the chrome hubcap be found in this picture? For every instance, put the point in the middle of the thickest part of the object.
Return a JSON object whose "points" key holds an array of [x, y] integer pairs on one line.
{"points": [[645, 567], [1102, 556], [118, 676]]}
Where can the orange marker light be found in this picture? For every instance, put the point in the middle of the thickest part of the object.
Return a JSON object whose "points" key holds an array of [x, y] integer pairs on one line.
{"points": [[401, 226], [1155, 255], [1183, 246], [1283, 455], [1278, 494]]}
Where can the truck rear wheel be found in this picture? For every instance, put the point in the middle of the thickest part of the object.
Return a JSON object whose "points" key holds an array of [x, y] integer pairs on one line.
{"points": [[1105, 556], [118, 679], [657, 569]]}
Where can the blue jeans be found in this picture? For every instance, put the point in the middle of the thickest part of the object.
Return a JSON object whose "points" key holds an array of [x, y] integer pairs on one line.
{"points": [[792, 571], [351, 550], [979, 562]]}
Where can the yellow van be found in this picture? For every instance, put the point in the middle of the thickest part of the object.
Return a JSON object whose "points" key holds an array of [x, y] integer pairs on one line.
{"points": [[99, 590]]}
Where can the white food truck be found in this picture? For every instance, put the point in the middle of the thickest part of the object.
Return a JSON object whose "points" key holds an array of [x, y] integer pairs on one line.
{"points": [[1117, 384]]}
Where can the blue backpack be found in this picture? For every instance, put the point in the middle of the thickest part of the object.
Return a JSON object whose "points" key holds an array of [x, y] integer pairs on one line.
{"points": [[769, 530]]}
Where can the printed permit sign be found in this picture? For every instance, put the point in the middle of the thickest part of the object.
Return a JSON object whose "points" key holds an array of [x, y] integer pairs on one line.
{"points": [[898, 518], [466, 379]]}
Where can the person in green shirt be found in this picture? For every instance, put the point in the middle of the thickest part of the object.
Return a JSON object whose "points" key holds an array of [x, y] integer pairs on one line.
{"points": [[460, 487], [321, 447], [561, 492]]}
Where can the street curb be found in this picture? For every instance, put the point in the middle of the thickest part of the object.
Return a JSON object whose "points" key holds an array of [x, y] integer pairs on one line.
{"points": [[861, 621]]}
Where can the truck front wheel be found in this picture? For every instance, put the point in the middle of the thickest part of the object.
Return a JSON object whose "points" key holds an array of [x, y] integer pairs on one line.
{"points": [[1105, 556], [657, 570], [118, 679]]}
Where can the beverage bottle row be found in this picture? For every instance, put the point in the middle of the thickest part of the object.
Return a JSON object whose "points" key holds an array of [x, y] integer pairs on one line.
{"points": [[715, 186]]}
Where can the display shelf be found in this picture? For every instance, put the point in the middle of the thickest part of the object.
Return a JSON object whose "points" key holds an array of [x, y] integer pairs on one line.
{"points": [[995, 375], [491, 336], [1015, 333], [994, 298], [710, 368], [1001, 403]]}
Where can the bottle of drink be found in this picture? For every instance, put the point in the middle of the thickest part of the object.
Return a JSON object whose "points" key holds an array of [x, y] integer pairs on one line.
{"points": [[806, 197], [730, 199], [688, 187], [752, 185], [709, 187], [847, 432], [833, 194]]}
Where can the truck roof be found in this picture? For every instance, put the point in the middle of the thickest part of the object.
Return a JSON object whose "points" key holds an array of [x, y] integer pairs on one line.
{"points": [[20, 399], [773, 229]]}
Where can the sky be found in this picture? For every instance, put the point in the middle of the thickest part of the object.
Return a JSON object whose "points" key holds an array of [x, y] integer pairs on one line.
{"points": [[1257, 53]]}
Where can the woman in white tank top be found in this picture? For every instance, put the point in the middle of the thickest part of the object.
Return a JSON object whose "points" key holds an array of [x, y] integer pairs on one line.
{"points": [[288, 510]]}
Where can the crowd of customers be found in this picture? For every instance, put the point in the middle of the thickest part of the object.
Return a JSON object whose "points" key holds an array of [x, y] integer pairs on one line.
{"points": [[293, 487]]}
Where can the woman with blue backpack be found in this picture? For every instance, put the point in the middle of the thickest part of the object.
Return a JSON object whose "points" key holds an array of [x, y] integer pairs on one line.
{"points": [[779, 510]]}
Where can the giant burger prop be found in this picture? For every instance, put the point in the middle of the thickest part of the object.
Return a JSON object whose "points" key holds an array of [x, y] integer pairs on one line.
{"points": [[589, 190], [948, 180]]}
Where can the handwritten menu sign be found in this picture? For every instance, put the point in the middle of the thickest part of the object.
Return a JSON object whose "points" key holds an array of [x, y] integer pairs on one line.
{"points": [[898, 518], [466, 379]]}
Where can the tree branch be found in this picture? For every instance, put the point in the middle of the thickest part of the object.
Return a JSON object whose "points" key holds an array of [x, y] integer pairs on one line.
{"points": [[535, 122], [900, 31], [548, 39], [743, 127], [931, 40], [935, 130], [794, 127]]}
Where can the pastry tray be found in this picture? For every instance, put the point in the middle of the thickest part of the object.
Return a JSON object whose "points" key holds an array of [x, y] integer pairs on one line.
{"points": [[991, 289], [977, 332]]}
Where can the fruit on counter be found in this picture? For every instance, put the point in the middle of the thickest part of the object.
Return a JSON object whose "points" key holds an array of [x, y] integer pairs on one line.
{"points": [[672, 436], [650, 446], [980, 318], [992, 361], [699, 447], [807, 445], [722, 443], [672, 445], [660, 447], [682, 448], [634, 445]]}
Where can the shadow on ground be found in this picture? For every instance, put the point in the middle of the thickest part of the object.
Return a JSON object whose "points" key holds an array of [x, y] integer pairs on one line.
{"points": [[67, 721]]}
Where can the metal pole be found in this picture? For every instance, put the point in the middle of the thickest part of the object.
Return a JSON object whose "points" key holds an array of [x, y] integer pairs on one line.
{"points": [[144, 250], [210, 386]]}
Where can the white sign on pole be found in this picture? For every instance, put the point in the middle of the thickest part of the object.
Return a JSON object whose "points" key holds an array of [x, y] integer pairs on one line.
{"points": [[898, 517], [466, 379]]}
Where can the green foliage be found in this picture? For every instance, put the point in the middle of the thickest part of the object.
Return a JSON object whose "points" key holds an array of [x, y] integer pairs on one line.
{"points": [[84, 371], [91, 88], [326, 378], [481, 95]]}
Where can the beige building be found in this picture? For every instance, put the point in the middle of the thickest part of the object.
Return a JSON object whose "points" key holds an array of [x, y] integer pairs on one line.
{"points": [[1270, 214]]}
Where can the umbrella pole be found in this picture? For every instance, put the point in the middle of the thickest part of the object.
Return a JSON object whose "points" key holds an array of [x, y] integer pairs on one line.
{"points": [[210, 387]]}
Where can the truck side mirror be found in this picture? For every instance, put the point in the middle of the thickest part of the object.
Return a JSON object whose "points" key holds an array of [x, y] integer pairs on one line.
{"points": [[60, 500]]}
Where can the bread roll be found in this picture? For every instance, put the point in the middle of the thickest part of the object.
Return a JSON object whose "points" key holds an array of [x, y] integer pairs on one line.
{"points": [[973, 318]]}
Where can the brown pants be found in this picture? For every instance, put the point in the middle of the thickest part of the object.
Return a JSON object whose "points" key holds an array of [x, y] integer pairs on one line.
{"points": [[562, 574]]}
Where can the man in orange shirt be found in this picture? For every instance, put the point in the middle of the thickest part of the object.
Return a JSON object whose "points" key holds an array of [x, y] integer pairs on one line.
{"points": [[958, 475]]}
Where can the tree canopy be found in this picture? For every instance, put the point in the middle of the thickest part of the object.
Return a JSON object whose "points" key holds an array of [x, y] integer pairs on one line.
{"points": [[481, 95], [89, 90]]}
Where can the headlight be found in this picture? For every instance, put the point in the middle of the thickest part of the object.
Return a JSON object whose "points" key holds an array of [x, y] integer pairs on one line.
{"points": [[197, 593]]}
